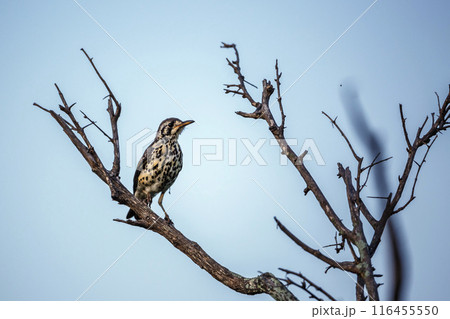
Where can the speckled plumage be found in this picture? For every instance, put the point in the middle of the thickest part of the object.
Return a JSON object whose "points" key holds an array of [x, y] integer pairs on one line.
{"points": [[160, 164]]}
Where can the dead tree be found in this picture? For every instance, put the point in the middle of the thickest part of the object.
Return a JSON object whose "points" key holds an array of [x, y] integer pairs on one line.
{"points": [[352, 236], [265, 283]]}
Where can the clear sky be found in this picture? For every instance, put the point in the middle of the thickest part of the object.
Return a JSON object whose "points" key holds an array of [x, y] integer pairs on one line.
{"points": [[57, 235]]}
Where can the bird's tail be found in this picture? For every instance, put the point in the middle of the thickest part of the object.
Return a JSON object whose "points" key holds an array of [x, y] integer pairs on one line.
{"points": [[131, 214]]}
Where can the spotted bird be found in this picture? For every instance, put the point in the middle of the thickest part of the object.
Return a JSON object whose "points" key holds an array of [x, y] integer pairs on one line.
{"points": [[160, 164]]}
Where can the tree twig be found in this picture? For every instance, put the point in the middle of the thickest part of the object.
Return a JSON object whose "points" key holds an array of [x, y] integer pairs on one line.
{"points": [[265, 283], [280, 103], [405, 131], [346, 265], [309, 282]]}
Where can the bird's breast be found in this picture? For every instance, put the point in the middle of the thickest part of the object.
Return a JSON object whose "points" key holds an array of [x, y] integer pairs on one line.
{"points": [[162, 169]]}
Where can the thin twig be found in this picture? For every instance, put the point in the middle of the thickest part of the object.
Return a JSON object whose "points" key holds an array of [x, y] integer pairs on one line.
{"points": [[358, 159], [237, 69], [347, 266], [369, 167], [265, 283], [288, 281], [405, 131], [312, 284], [438, 100], [419, 167], [98, 127], [280, 103], [338, 246], [352, 250], [111, 94]]}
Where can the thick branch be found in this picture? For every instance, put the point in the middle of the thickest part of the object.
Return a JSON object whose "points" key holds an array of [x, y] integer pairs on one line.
{"points": [[264, 283], [263, 112], [365, 265], [351, 196], [360, 289]]}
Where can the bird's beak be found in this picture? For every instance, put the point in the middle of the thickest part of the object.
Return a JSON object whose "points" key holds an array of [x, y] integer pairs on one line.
{"points": [[184, 123]]}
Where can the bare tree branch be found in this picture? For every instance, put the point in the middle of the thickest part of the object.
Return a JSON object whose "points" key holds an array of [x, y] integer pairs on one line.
{"points": [[346, 265], [280, 103], [405, 131], [360, 289], [419, 167], [369, 167], [439, 124], [304, 286], [263, 112], [338, 245], [350, 146], [357, 197], [356, 236], [358, 230], [98, 127], [264, 283], [237, 69], [288, 282]]}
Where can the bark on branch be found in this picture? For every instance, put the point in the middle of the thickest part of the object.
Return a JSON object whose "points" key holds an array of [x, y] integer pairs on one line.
{"points": [[263, 111], [355, 236], [265, 283]]}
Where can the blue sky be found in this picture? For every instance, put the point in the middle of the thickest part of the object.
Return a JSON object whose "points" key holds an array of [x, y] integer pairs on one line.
{"points": [[57, 235]]}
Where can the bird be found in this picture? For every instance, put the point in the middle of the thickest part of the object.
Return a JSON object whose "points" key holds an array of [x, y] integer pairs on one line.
{"points": [[160, 165]]}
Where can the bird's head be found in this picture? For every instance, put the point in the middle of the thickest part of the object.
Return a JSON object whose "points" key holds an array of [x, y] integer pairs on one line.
{"points": [[171, 127]]}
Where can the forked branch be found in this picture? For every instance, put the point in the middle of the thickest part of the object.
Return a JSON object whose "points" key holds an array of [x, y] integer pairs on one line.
{"points": [[306, 284], [362, 264], [263, 112], [265, 283], [439, 124]]}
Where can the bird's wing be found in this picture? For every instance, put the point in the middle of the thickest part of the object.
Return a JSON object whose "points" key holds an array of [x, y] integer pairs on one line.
{"points": [[139, 168], [153, 152], [141, 165]]}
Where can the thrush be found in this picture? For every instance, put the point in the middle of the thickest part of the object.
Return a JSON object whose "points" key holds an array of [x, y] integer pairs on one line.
{"points": [[160, 165]]}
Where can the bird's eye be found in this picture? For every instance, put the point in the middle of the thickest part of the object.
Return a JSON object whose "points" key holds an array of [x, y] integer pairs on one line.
{"points": [[171, 124]]}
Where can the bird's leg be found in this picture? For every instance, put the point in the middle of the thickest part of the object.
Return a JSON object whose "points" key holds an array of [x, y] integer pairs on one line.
{"points": [[167, 218], [149, 199]]}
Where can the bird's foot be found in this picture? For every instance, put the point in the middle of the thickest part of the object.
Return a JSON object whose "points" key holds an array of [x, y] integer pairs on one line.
{"points": [[168, 220], [148, 200]]}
